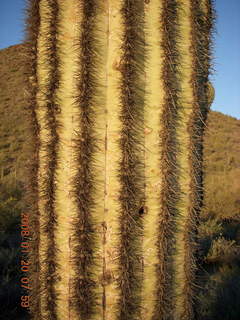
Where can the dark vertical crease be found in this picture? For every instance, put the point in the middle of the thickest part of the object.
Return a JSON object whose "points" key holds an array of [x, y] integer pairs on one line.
{"points": [[169, 143], [131, 164]]}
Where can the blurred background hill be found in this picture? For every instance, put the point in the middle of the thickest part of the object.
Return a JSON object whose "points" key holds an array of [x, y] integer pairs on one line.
{"points": [[219, 228]]}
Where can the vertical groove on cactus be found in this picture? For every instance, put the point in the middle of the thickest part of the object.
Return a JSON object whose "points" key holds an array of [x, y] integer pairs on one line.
{"points": [[184, 264], [47, 82], [69, 17], [99, 155], [153, 176], [169, 144], [32, 31], [111, 158], [131, 163], [112, 130], [83, 238]]}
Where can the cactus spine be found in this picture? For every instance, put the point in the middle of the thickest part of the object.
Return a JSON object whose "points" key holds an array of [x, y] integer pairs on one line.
{"points": [[119, 96]]}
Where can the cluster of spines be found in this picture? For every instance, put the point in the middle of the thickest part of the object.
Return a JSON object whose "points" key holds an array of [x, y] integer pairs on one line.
{"points": [[170, 190], [131, 164], [48, 188], [32, 29], [83, 298], [202, 22]]}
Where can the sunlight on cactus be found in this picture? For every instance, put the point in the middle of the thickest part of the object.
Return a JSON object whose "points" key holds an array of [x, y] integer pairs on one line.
{"points": [[118, 95]]}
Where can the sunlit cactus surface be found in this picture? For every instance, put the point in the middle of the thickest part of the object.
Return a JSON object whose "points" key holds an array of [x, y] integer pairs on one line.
{"points": [[118, 98]]}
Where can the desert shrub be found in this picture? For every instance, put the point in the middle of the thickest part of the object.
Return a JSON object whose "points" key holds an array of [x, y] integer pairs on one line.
{"points": [[10, 291]]}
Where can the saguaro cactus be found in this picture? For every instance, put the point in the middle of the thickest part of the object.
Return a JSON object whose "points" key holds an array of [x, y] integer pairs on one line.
{"points": [[118, 98]]}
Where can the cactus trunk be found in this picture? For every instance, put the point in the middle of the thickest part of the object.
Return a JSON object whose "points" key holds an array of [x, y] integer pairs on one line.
{"points": [[119, 97]]}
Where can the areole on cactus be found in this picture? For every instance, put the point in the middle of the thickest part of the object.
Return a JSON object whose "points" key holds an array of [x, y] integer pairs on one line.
{"points": [[118, 98]]}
